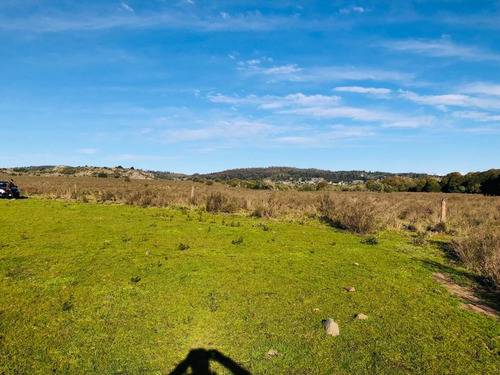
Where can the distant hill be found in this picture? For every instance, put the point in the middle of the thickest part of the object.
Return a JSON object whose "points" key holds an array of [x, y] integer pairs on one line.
{"points": [[86, 171], [296, 174], [274, 174]]}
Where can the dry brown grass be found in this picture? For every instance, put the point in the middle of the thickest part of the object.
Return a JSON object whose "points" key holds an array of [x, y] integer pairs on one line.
{"points": [[480, 251]]}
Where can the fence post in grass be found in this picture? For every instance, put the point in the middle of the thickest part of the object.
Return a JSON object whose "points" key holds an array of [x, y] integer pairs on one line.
{"points": [[192, 193], [443, 211]]}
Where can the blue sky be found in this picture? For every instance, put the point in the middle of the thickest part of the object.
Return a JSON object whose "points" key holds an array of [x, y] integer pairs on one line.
{"points": [[199, 86]]}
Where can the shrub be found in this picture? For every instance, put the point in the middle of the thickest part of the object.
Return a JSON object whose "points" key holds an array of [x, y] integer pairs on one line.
{"points": [[357, 215], [480, 251], [215, 202]]}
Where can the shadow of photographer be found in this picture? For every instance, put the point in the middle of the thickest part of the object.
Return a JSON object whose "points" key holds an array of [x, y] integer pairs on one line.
{"points": [[199, 362]]}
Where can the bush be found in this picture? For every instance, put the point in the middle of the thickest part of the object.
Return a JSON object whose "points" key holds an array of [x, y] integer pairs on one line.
{"points": [[215, 202], [357, 215], [480, 251]]}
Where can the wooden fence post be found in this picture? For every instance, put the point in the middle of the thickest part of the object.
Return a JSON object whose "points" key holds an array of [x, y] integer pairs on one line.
{"points": [[443, 210]]}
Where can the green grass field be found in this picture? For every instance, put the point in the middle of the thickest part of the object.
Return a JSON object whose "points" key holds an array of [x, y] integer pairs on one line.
{"points": [[98, 289]]}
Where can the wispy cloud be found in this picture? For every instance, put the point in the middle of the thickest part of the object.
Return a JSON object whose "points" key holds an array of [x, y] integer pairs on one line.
{"points": [[441, 48], [333, 136], [455, 100], [477, 116], [384, 118], [353, 9], [164, 19], [274, 102], [296, 73], [364, 90], [127, 7], [482, 88], [481, 21], [228, 130]]}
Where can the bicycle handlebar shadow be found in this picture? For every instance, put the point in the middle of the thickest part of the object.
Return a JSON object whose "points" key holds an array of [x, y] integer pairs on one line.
{"points": [[199, 362]]}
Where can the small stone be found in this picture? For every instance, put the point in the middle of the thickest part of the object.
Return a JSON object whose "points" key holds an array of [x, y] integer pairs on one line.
{"points": [[147, 253], [356, 264], [272, 353], [332, 328], [315, 309], [350, 289], [361, 316]]}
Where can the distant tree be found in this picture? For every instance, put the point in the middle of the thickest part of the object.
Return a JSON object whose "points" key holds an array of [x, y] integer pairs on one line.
{"points": [[426, 184], [452, 183], [431, 185], [399, 183], [491, 182], [374, 186]]}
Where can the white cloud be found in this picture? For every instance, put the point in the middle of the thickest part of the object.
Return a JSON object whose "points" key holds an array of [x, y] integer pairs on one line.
{"points": [[328, 137], [456, 100], [127, 7], [482, 88], [295, 73], [170, 19], [229, 130], [477, 116], [324, 107], [364, 90], [443, 47], [437, 100], [270, 102], [386, 119], [285, 69], [354, 8]]}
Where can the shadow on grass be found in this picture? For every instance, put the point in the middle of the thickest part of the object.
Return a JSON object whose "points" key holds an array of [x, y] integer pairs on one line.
{"points": [[484, 292], [447, 249], [199, 362]]}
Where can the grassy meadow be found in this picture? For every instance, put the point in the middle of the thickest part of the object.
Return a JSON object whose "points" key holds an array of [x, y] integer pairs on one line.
{"points": [[121, 289]]}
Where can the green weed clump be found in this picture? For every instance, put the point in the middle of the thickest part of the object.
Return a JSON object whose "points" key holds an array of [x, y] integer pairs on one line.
{"points": [[183, 246], [371, 240], [237, 241]]}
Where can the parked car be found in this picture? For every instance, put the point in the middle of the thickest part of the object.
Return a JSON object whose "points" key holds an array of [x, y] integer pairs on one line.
{"points": [[3, 190]]}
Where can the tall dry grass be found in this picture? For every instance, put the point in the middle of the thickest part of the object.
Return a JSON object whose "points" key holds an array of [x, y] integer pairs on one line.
{"points": [[480, 251], [360, 212]]}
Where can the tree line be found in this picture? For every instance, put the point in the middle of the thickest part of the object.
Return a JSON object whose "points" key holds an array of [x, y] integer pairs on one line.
{"points": [[487, 183]]}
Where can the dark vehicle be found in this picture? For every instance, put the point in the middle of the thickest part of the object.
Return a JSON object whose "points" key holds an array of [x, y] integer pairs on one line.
{"points": [[14, 191]]}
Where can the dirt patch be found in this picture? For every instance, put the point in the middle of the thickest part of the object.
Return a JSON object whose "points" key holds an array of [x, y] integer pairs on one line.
{"points": [[473, 303]]}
